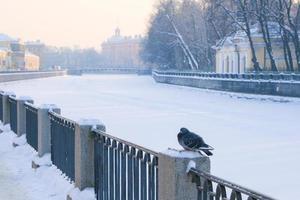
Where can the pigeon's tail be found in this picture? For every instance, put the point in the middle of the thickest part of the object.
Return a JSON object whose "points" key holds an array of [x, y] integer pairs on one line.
{"points": [[208, 152]]}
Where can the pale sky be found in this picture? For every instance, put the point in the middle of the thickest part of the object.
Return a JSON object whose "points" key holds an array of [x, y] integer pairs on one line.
{"points": [[73, 22]]}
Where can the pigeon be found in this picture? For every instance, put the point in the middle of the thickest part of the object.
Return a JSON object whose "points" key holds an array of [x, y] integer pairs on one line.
{"points": [[193, 142]]}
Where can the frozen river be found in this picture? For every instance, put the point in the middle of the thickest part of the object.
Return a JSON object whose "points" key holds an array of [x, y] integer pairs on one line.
{"points": [[256, 138]]}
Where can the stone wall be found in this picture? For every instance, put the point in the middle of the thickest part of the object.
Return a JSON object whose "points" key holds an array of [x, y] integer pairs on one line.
{"points": [[267, 87], [16, 76]]}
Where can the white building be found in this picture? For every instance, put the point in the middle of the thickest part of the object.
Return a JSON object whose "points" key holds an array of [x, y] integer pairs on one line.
{"points": [[233, 54]]}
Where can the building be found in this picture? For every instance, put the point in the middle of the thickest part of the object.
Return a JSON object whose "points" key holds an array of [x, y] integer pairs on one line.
{"points": [[13, 55], [17, 55], [39, 49], [233, 54], [32, 62], [122, 51], [4, 59]]}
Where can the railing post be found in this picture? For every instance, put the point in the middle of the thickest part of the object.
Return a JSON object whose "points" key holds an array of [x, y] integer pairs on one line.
{"points": [[173, 180], [21, 114], [84, 152], [44, 132], [5, 107]]}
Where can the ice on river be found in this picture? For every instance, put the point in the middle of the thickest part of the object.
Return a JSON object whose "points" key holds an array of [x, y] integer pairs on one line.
{"points": [[256, 138]]}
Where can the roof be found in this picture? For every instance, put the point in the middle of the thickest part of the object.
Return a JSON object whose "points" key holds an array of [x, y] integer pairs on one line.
{"points": [[4, 37], [241, 37], [32, 43], [118, 38], [29, 54]]}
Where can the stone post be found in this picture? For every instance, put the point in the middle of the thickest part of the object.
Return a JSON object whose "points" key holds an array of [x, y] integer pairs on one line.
{"points": [[173, 180], [84, 152], [5, 107], [21, 114], [44, 132]]}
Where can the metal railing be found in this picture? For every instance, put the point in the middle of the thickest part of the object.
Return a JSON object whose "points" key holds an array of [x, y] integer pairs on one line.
{"points": [[211, 187], [63, 144], [13, 113], [245, 76], [1, 106], [32, 125], [124, 170]]}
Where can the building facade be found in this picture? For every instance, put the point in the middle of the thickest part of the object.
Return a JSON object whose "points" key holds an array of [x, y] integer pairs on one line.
{"points": [[32, 62], [13, 55], [122, 51], [4, 59], [233, 54], [39, 49]]}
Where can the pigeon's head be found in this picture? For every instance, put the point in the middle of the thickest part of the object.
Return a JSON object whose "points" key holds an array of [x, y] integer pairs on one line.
{"points": [[184, 131]]}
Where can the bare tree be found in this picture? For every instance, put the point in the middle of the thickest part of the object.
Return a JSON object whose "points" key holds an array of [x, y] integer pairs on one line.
{"points": [[245, 23], [278, 14], [262, 7], [293, 27]]}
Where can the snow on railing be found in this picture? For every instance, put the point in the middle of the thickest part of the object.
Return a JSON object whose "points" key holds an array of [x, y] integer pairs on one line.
{"points": [[246, 76]]}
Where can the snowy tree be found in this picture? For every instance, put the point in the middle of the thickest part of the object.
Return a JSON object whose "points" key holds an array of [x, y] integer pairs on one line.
{"points": [[243, 16], [181, 34], [160, 42]]}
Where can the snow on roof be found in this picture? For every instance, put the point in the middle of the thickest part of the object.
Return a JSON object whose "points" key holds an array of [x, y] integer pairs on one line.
{"points": [[36, 42], [241, 36], [27, 53], [4, 37], [118, 38]]}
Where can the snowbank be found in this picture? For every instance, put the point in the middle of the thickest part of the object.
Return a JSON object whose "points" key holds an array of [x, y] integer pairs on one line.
{"points": [[18, 181]]}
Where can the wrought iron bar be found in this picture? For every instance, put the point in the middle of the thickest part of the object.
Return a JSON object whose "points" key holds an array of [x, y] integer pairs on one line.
{"points": [[204, 183], [63, 144], [132, 169], [32, 125]]}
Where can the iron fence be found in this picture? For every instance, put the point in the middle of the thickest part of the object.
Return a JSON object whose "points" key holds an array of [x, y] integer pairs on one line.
{"points": [[32, 125], [63, 144], [1, 106], [13, 113], [124, 170], [214, 188], [245, 76]]}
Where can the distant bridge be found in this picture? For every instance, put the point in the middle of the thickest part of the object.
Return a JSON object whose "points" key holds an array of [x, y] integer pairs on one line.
{"points": [[102, 70]]}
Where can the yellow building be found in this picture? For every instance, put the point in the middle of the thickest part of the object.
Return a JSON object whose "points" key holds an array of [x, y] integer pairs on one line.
{"points": [[4, 59], [233, 54], [32, 62], [120, 51], [14, 57]]}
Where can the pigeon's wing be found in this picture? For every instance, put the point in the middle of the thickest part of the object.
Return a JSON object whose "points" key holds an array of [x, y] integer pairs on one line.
{"points": [[192, 141], [201, 144]]}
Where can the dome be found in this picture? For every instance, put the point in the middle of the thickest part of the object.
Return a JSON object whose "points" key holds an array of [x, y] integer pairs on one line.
{"points": [[117, 32]]}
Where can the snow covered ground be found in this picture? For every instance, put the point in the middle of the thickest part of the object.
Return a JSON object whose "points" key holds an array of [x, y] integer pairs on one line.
{"points": [[18, 181], [256, 138]]}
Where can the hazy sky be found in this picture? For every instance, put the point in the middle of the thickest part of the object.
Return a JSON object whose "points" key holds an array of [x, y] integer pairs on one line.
{"points": [[73, 22]]}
